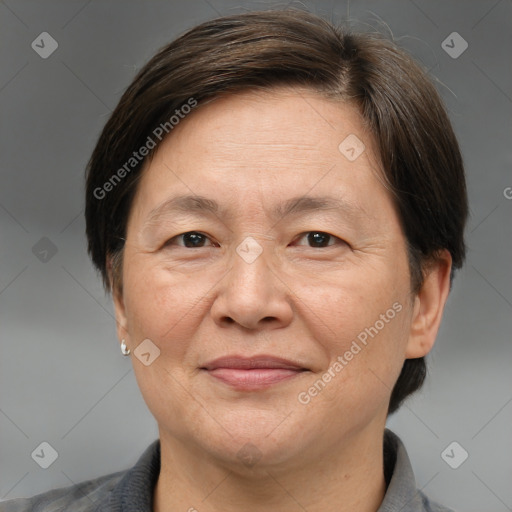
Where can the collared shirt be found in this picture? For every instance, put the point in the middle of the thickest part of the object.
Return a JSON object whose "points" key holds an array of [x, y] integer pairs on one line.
{"points": [[132, 490]]}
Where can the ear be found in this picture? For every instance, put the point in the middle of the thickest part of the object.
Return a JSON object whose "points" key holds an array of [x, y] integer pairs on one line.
{"points": [[428, 307], [119, 307]]}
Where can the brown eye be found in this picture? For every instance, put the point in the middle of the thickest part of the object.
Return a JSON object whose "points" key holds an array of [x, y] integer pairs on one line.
{"points": [[190, 240], [319, 239]]}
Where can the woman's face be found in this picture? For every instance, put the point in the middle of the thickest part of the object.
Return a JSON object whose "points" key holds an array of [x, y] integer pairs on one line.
{"points": [[293, 270]]}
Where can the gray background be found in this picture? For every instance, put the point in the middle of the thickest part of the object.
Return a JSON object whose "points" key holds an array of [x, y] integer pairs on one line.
{"points": [[63, 379]]}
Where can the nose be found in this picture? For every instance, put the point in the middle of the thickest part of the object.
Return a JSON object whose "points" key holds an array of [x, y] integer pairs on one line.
{"points": [[253, 295]]}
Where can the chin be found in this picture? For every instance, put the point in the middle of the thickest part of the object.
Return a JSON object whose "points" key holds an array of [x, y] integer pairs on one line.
{"points": [[254, 440]]}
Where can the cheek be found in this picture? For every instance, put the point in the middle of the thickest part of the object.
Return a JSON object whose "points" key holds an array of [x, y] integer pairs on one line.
{"points": [[161, 305], [346, 304], [166, 309], [374, 356], [168, 396], [363, 326]]}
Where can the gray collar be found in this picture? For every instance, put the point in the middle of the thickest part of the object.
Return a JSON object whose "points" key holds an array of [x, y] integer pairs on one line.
{"points": [[134, 491]]}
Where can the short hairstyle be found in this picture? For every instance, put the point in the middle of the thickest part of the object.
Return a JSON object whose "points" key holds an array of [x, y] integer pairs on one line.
{"points": [[419, 154]]}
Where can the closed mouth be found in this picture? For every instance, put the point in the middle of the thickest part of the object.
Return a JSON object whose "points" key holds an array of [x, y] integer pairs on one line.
{"points": [[252, 373]]}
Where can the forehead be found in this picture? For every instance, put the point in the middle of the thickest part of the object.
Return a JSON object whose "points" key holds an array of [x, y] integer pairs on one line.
{"points": [[263, 145], [272, 121]]}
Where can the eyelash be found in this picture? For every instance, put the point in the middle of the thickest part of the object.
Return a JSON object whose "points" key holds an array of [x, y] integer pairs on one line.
{"points": [[169, 242]]}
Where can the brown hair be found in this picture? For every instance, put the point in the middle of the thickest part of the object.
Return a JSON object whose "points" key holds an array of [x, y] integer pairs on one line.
{"points": [[419, 153]]}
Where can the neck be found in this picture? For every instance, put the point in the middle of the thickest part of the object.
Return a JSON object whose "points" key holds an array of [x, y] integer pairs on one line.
{"points": [[346, 478]]}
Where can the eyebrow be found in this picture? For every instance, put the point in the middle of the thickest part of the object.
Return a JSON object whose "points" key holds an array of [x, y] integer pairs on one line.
{"points": [[300, 204]]}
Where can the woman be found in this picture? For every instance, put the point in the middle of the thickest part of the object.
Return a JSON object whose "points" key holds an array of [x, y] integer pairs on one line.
{"points": [[277, 208]]}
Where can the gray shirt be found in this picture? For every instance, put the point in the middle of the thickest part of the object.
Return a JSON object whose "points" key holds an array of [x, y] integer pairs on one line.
{"points": [[132, 490]]}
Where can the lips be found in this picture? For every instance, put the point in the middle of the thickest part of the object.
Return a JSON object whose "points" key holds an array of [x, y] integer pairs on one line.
{"points": [[252, 373]]}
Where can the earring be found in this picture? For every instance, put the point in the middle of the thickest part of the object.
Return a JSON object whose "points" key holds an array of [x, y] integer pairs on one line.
{"points": [[124, 350]]}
